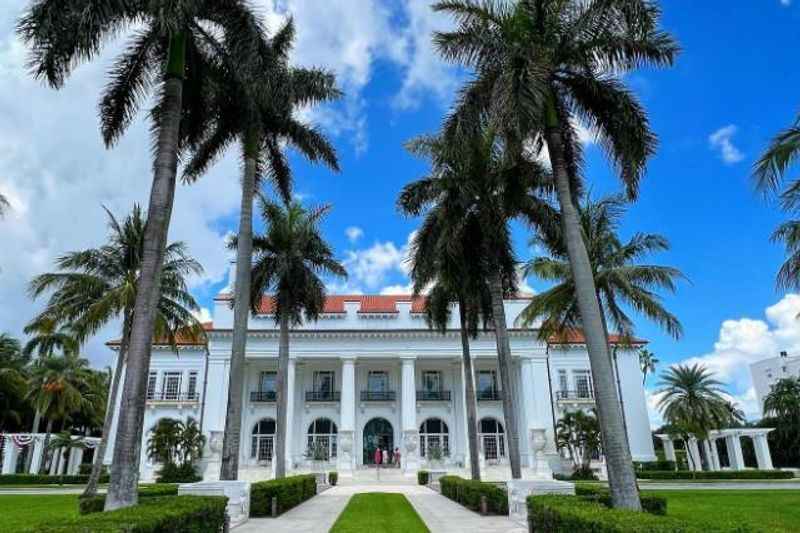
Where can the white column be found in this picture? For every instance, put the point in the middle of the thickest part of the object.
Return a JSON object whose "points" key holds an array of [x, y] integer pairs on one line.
{"points": [[408, 410], [347, 420], [694, 450], [538, 429], [290, 417], [709, 455], [9, 456], [216, 408], [735, 452], [669, 449], [763, 455], [712, 444], [38, 448], [463, 392]]}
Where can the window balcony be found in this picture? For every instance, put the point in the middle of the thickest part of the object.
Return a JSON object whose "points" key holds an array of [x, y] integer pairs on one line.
{"points": [[576, 396], [489, 395], [263, 396], [433, 395], [378, 396], [173, 397], [322, 396]]}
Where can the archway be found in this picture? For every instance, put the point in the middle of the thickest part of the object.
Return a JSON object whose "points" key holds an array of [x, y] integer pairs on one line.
{"points": [[492, 436], [262, 443], [434, 435], [377, 433]]}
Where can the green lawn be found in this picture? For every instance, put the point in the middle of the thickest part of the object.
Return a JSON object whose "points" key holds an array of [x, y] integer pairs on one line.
{"points": [[770, 510], [379, 513], [19, 512]]}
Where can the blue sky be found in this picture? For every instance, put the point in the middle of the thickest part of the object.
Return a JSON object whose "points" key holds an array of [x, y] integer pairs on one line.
{"points": [[732, 88]]}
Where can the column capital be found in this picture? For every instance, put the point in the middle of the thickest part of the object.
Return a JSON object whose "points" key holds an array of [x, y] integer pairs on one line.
{"points": [[408, 359], [348, 358]]}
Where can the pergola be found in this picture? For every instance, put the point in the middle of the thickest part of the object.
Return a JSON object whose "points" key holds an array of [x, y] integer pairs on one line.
{"points": [[733, 444], [13, 444]]}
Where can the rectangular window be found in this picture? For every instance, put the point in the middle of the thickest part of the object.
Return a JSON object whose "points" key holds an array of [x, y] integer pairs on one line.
{"points": [[583, 383], [432, 381], [323, 381], [563, 384], [266, 382], [487, 383], [151, 385], [378, 381], [191, 388], [171, 388]]}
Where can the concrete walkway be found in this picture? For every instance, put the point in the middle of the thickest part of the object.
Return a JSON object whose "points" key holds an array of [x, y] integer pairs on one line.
{"points": [[441, 515]]}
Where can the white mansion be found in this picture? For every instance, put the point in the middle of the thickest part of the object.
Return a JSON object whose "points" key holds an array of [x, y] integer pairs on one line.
{"points": [[370, 373]]}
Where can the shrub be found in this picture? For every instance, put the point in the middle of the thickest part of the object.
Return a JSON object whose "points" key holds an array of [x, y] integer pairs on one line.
{"points": [[175, 514], [563, 514], [468, 493], [652, 504], [655, 465], [34, 479], [96, 504], [333, 478], [172, 473], [86, 469], [422, 477], [290, 491], [724, 475]]}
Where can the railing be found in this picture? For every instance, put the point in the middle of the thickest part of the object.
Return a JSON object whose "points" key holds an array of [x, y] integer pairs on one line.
{"points": [[377, 396], [263, 396], [322, 396], [433, 395], [170, 396], [488, 395], [584, 395]]}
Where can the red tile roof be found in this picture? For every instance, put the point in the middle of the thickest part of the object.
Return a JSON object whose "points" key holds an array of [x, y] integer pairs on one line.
{"points": [[367, 303], [575, 336]]}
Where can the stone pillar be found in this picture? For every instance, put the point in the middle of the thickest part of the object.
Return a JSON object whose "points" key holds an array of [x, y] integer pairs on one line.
{"points": [[408, 412], [694, 451], [669, 449], [709, 455], [9, 456], [37, 451], [712, 444], [290, 417], [55, 457], [735, 452], [345, 463], [763, 455]]}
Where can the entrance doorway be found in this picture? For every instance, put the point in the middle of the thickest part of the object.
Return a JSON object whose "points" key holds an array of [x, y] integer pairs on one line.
{"points": [[377, 433]]}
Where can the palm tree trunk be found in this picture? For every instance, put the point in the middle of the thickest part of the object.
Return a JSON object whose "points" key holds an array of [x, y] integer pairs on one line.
{"points": [[281, 384], [621, 476], [37, 421], [241, 311], [469, 386], [43, 463], [504, 364], [100, 451], [122, 491]]}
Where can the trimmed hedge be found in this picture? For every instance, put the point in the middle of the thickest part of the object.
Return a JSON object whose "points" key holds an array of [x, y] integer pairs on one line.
{"points": [[333, 478], [468, 493], [723, 475], [656, 505], [35, 479], [96, 504], [172, 514], [172, 473], [569, 514], [290, 491], [655, 465], [422, 477]]}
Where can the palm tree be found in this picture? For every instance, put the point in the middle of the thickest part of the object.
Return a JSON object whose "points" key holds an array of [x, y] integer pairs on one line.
{"points": [[96, 286], [170, 52], [539, 66], [65, 441], [694, 402], [783, 399], [258, 110], [475, 188], [49, 336], [13, 364], [579, 433], [56, 389], [647, 362], [289, 258]]}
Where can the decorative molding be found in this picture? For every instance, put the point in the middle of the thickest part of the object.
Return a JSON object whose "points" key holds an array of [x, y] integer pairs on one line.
{"points": [[363, 334]]}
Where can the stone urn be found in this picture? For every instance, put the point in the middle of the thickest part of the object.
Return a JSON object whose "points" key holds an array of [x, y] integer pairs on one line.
{"points": [[539, 464]]}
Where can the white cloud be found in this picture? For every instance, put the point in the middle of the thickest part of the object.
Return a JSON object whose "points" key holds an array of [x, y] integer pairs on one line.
{"points": [[745, 341], [203, 315], [786, 3], [522, 283], [722, 141], [370, 267], [354, 233], [398, 289]]}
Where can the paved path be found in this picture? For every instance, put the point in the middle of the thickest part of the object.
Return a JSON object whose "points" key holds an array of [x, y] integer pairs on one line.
{"points": [[441, 515]]}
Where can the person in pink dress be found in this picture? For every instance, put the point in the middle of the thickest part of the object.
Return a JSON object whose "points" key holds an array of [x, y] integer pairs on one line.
{"points": [[397, 457], [378, 456]]}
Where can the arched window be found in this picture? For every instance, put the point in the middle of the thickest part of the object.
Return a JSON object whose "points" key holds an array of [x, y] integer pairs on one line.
{"points": [[263, 442], [492, 435], [433, 434], [321, 440]]}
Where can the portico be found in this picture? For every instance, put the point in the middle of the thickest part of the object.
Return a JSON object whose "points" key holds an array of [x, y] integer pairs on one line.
{"points": [[733, 445]]}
